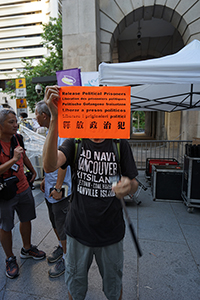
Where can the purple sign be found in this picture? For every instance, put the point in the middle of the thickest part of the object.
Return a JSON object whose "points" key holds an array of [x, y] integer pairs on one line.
{"points": [[70, 77]]}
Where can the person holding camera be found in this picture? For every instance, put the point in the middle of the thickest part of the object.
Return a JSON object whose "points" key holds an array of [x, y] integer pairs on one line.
{"points": [[15, 193], [57, 189]]}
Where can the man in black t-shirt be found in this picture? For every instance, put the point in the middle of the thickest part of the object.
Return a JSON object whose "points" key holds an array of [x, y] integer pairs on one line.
{"points": [[94, 223]]}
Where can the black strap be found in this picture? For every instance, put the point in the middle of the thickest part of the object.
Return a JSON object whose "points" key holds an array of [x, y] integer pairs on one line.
{"points": [[14, 143], [116, 147], [20, 140], [74, 167], [78, 145]]}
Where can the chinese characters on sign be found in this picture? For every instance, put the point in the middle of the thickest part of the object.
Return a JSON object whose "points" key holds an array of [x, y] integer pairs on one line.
{"points": [[94, 112]]}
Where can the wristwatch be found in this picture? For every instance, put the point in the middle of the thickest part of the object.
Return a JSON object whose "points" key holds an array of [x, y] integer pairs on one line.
{"points": [[57, 190]]}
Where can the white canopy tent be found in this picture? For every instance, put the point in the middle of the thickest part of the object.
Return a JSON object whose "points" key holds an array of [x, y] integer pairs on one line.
{"points": [[168, 83]]}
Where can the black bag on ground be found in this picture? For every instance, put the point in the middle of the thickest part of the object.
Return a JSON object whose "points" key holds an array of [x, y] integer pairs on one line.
{"points": [[8, 187]]}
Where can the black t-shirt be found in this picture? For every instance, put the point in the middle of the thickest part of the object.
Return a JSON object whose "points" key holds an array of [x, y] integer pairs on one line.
{"points": [[95, 217]]}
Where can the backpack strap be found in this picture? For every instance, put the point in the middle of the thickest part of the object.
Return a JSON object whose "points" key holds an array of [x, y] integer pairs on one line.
{"points": [[74, 167], [20, 140], [78, 143], [116, 148], [17, 138], [77, 151]]}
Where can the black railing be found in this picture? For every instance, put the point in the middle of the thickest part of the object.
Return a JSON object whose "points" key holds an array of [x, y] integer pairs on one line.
{"points": [[157, 149]]}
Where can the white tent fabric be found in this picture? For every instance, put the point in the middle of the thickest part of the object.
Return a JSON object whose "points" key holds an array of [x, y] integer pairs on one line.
{"points": [[169, 83]]}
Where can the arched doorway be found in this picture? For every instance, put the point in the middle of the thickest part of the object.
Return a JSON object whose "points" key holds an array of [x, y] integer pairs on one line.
{"points": [[145, 34]]}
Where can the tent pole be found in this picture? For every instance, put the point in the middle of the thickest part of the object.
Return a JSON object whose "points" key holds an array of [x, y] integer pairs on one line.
{"points": [[191, 94]]}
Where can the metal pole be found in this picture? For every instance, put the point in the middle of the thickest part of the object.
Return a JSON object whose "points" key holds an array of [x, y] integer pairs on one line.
{"points": [[131, 228]]}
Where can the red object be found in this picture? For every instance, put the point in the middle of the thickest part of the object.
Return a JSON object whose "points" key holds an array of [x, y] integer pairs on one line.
{"points": [[159, 162]]}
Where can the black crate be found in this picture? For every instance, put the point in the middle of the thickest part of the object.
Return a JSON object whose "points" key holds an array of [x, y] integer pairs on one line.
{"points": [[166, 183], [191, 181], [192, 150], [159, 161]]}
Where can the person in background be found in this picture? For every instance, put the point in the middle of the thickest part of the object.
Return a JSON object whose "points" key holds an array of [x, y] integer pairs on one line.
{"points": [[94, 225], [24, 121], [12, 160], [57, 203]]}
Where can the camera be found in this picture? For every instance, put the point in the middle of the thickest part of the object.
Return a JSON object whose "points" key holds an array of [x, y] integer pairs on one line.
{"points": [[38, 89], [62, 190], [29, 175]]}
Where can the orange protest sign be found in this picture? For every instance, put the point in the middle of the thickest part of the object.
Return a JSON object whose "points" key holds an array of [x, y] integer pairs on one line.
{"points": [[94, 112]]}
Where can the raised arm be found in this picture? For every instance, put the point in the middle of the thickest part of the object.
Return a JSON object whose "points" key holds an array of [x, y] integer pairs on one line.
{"points": [[52, 158]]}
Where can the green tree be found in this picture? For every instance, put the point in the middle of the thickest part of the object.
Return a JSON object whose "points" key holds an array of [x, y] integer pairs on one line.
{"points": [[139, 123], [52, 40]]}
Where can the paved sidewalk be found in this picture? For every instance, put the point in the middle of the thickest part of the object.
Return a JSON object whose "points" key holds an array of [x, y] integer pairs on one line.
{"points": [[168, 270]]}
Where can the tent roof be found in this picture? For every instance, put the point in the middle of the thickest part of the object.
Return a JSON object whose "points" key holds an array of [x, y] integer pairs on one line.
{"points": [[171, 82], [181, 67]]}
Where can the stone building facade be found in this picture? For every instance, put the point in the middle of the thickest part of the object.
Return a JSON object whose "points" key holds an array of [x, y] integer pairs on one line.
{"points": [[127, 30]]}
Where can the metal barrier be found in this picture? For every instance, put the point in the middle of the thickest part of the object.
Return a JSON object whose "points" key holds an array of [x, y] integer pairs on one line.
{"points": [[143, 149], [34, 144]]}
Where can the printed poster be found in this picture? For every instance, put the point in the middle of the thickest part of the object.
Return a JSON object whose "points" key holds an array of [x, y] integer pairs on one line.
{"points": [[94, 112], [69, 77], [90, 78]]}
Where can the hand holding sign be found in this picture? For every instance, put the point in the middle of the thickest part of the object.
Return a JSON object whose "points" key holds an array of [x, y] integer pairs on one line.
{"points": [[51, 98]]}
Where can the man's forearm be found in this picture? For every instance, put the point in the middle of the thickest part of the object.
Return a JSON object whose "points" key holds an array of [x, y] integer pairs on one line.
{"points": [[134, 186], [60, 177], [50, 148]]}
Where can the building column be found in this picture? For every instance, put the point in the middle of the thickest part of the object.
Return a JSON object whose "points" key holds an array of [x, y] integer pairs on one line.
{"points": [[172, 125], [81, 34]]}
